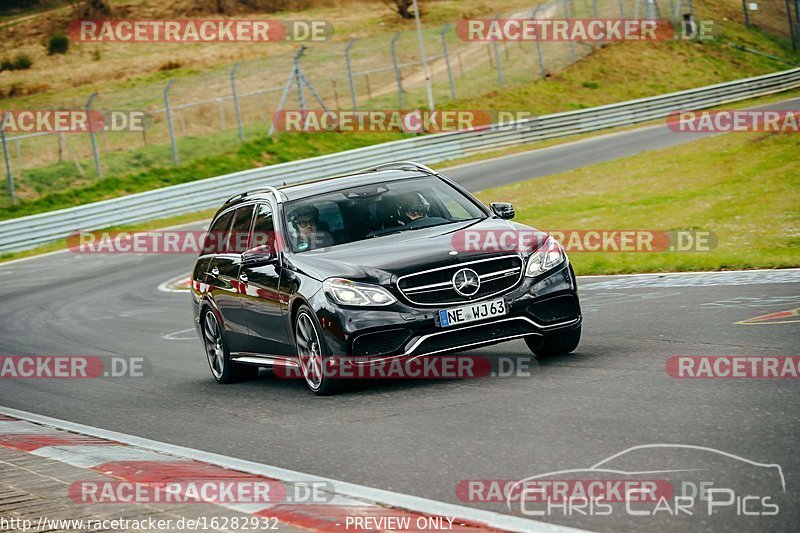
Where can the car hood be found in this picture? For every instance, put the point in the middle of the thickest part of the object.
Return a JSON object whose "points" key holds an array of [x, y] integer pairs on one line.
{"points": [[382, 259]]}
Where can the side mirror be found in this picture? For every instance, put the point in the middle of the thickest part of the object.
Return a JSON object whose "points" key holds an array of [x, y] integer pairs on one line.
{"points": [[258, 255], [503, 210]]}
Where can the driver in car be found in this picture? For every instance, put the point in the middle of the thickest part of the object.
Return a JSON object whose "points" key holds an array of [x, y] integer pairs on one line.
{"points": [[413, 206], [305, 221]]}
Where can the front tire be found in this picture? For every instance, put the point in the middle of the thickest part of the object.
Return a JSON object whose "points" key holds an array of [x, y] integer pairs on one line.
{"points": [[559, 344], [219, 358], [311, 353]]}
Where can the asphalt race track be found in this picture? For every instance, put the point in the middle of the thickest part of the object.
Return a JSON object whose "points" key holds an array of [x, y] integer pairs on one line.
{"points": [[421, 437]]}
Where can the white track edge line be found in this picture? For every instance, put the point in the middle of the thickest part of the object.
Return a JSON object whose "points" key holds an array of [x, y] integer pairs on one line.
{"points": [[379, 496], [691, 272]]}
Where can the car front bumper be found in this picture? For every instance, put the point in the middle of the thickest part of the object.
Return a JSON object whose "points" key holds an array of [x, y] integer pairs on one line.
{"points": [[537, 307]]}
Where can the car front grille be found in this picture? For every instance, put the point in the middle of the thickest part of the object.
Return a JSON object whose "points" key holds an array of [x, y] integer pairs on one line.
{"points": [[435, 287]]}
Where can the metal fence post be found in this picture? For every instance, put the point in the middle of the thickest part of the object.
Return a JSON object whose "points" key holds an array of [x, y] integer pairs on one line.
{"points": [[236, 102], [423, 56], [286, 89], [500, 76], [301, 100], [222, 125], [622, 9], [95, 149], [571, 45], [542, 69], [597, 16], [175, 157], [794, 25], [397, 73], [650, 9], [796, 40], [350, 44], [8, 161], [447, 61]]}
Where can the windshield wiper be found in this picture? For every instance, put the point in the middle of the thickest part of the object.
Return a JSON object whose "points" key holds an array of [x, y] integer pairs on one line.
{"points": [[413, 228]]}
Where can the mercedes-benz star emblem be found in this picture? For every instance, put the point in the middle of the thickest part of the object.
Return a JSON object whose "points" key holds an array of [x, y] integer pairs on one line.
{"points": [[466, 282]]}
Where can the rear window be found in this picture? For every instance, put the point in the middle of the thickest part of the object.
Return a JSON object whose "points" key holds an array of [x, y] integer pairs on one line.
{"points": [[217, 234], [240, 231]]}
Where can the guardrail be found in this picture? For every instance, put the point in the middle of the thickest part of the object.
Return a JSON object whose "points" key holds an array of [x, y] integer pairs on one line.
{"points": [[30, 231]]}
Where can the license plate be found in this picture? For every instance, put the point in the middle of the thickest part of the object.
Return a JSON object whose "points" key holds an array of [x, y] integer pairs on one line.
{"points": [[471, 313]]}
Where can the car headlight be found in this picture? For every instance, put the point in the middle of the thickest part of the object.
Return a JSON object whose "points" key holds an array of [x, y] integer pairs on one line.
{"points": [[547, 257], [346, 292]]}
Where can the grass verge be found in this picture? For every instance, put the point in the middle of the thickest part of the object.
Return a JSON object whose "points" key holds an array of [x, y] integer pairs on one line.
{"points": [[742, 187]]}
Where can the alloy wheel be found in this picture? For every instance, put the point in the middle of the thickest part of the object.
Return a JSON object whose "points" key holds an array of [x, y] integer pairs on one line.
{"points": [[309, 350], [212, 339]]}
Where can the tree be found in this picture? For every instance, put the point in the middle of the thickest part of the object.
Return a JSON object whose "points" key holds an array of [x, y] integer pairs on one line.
{"points": [[403, 7]]}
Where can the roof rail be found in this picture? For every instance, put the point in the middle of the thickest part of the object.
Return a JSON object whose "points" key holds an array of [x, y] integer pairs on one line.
{"points": [[398, 165], [394, 165], [272, 190]]}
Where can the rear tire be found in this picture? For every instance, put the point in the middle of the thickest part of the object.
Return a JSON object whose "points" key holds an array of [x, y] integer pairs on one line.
{"points": [[219, 357], [560, 344]]}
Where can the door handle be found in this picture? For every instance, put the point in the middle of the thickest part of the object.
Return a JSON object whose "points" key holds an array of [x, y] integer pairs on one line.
{"points": [[243, 277]]}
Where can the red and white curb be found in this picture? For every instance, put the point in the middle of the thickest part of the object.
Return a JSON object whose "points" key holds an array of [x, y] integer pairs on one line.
{"points": [[180, 284], [135, 459]]}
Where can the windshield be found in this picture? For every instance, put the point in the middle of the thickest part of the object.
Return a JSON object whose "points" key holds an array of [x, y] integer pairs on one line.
{"points": [[375, 210]]}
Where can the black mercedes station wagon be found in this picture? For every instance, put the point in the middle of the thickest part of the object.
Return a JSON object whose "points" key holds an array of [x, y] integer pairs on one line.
{"points": [[391, 263]]}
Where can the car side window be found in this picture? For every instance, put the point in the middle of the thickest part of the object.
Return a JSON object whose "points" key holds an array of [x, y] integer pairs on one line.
{"points": [[263, 227], [217, 236], [240, 230]]}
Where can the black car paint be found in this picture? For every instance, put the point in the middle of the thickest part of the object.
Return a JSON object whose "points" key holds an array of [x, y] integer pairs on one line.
{"points": [[257, 315]]}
